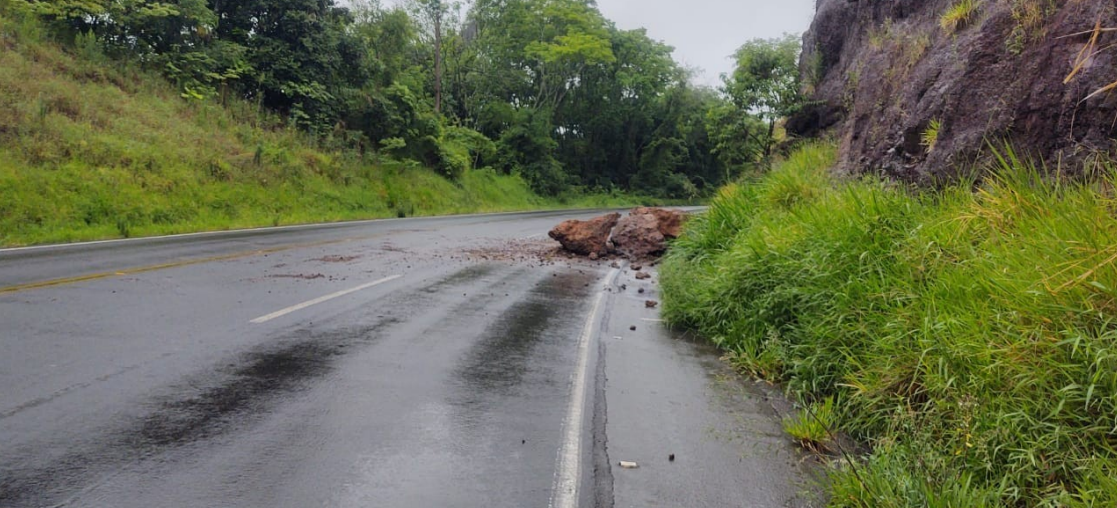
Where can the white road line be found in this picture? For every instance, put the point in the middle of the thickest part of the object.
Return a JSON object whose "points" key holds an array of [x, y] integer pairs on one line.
{"points": [[568, 472], [316, 301], [653, 320], [532, 237]]}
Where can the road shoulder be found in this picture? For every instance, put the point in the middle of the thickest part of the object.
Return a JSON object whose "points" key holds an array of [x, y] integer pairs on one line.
{"points": [[700, 434]]}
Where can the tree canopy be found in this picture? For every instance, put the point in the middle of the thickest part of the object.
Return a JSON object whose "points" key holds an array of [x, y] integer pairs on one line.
{"points": [[548, 89]]}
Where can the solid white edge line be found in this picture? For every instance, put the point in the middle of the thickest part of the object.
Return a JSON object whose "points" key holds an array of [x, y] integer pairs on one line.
{"points": [[316, 301], [568, 472]]}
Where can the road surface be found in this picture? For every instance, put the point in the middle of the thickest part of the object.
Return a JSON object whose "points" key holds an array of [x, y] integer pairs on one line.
{"points": [[402, 363]]}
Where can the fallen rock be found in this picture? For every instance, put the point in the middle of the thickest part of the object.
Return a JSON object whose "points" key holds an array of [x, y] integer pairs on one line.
{"points": [[668, 222], [642, 276], [638, 236], [651, 304], [586, 237]]}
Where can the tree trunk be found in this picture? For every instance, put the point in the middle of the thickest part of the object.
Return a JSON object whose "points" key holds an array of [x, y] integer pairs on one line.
{"points": [[769, 141], [438, 58]]}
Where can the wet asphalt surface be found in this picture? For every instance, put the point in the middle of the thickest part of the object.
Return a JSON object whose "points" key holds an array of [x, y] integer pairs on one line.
{"points": [[141, 373]]}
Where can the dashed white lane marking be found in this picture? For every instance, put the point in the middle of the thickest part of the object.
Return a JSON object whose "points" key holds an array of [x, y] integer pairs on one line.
{"points": [[564, 494], [650, 320], [532, 237], [316, 301]]}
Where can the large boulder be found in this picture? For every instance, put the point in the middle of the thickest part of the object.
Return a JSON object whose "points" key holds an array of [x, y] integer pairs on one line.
{"points": [[669, 222], [586, 238], [637, 236]]}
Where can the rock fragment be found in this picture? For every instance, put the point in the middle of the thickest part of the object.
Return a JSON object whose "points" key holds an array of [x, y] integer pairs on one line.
{"points": [[638, 237], [586, 237], [669, 222]]}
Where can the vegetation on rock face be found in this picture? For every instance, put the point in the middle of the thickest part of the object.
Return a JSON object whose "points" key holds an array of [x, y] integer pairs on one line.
{"points": [[966, 336], [960, 13]]}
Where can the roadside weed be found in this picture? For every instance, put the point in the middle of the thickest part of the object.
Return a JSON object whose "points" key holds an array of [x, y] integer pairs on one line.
{"points": [[966, 336], [812, 426]]}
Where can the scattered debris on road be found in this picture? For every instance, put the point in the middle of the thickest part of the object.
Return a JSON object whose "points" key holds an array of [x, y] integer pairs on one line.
{"points": [[632, 328], [651, 304], [336, 259], [303, 276]]}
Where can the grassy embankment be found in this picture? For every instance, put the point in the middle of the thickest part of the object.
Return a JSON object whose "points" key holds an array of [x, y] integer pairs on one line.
{"points": [[969, 336], [93, 148]]}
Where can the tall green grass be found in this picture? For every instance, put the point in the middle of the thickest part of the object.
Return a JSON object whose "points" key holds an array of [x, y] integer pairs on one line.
{"points": [[969, 335], [94, 148]]}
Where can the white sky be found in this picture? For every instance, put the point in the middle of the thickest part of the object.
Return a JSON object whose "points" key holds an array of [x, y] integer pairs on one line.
{"points": [[705, 33]]}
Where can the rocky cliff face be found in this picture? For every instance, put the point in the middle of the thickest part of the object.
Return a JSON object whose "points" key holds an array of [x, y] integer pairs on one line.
{"points": [[888, 75]]}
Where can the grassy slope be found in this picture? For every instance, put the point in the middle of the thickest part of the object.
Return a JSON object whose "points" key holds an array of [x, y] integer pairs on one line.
{"points": [[969, 337], [92, 149]]}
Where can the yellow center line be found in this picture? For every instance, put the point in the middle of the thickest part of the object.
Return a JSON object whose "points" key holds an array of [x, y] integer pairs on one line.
{"points": [[163, 266]]}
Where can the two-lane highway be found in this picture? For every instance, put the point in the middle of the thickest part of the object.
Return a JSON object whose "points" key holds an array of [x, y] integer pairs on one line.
{"points": [[418, 362]]}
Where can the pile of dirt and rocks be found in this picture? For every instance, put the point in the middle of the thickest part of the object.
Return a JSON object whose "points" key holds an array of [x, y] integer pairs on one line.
{"points": [[642, 234], [917, 89]]}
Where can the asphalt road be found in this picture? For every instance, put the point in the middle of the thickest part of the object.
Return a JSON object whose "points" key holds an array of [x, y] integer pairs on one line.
{"points": [[403, 363]]}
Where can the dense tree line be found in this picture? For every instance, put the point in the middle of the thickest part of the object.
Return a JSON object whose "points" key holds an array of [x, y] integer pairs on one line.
{"points": [[546, 88]]}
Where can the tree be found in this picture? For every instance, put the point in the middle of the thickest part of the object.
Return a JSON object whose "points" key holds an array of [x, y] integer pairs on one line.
{"points": [[304, 59], [548, 89], [434, 12], [765, 82]]}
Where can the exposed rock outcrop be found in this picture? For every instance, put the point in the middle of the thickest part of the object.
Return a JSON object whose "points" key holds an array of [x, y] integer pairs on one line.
{"points": [[886, 73], [586, 238]]}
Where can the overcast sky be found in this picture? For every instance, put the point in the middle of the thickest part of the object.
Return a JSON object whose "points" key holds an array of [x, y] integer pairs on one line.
{"points": [[706, 32]]}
